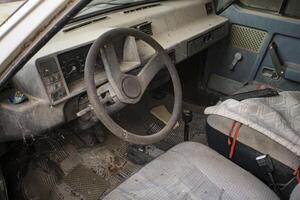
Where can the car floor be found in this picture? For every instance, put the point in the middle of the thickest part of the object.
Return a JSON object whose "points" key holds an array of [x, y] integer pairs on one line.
{"points": [[68, 164]]}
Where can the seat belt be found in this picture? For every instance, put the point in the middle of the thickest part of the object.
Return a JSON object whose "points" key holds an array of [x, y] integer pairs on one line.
{"points": [[266, 165], [232, 140]]}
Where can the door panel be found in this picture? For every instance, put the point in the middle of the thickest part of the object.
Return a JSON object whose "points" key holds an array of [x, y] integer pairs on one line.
{"points": [[251, 34], [288, 49]]}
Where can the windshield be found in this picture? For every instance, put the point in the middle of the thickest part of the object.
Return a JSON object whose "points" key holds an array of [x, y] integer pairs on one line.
{"points": [[7, 8], [98, 6]]}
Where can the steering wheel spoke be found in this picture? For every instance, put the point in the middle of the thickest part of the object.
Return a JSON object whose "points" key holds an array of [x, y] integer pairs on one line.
{"points": [[110, 61], [150, 69], [114, 74], [130, 51]]}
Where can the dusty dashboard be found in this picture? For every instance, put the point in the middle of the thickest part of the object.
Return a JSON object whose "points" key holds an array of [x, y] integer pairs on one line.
{"points": [[55, 75], [62, 71], [181, 27]]}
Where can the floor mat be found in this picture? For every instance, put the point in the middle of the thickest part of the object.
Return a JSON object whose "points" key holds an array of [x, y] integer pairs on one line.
{"points": [[87, 183], [77, 171], [110, 161]]}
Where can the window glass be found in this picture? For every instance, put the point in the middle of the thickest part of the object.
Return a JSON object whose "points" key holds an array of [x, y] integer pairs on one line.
{"points": [[269, 5], [292, 9], [289, 8], [101, 5], [222, 4]]}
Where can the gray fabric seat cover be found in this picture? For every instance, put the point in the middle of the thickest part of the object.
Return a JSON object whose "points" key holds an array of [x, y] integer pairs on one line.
{"points": [[256, 140], [296, 193], [192, 171]]}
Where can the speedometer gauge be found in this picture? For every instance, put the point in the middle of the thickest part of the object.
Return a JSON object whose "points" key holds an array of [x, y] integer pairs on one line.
{"points": [[71, 69], [72, 63]]}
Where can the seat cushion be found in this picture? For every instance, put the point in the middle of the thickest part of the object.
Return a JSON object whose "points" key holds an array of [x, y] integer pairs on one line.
{"points": [[277, 117], [296, 193], [192, 171], [256, 140]]}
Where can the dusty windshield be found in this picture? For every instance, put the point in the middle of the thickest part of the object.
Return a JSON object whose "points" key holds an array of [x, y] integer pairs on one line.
{"points": [[7, 8], [97, 6]]}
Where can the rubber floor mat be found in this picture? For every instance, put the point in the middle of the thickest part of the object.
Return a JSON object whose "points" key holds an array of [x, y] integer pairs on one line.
{"points": [[110, 162], [84, 181]]}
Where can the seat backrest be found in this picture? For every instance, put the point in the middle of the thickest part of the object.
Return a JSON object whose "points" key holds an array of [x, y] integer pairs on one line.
{"points": [[296, 193]]}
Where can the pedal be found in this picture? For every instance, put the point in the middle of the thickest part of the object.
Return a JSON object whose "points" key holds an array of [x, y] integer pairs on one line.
{"points": [[140, 154]]}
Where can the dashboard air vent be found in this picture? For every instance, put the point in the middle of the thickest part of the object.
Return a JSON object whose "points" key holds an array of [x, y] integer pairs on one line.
{"points": [[141, 8], [145, 27]]}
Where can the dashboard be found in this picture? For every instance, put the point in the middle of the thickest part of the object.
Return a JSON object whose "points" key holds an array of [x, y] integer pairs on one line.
{"points": [[54, 76], [72, 63], [59, 72]]}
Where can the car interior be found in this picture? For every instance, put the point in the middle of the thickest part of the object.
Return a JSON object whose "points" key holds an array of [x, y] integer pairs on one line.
{"points": [[170, 99]]}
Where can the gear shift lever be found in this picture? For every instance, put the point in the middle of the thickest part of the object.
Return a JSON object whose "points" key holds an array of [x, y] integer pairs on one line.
{"points": [[187, 117]]}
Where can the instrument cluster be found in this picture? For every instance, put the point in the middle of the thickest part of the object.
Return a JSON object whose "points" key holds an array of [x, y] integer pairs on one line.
{"points": [[72, 63]]}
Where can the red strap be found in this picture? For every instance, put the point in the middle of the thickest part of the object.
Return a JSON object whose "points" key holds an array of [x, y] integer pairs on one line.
{"points": [[232, 148], [297, 175], [230, 133]]}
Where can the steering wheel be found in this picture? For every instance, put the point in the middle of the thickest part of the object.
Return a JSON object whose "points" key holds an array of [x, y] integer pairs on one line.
{"points": [[123, 88]]}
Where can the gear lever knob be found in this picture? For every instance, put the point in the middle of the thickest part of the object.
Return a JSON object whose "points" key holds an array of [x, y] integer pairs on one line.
{"points": [[187, 116]]}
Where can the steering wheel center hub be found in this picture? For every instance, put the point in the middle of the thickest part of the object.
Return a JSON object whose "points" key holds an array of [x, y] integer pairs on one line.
{"points": [[131, 87]]}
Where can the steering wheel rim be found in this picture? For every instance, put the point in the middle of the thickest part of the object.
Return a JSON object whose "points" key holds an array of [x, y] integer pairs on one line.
{"points": [[99, 108]]}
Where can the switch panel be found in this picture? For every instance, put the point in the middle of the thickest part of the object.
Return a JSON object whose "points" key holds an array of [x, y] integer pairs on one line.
{"points": [[51, 77], [198, 44]]}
